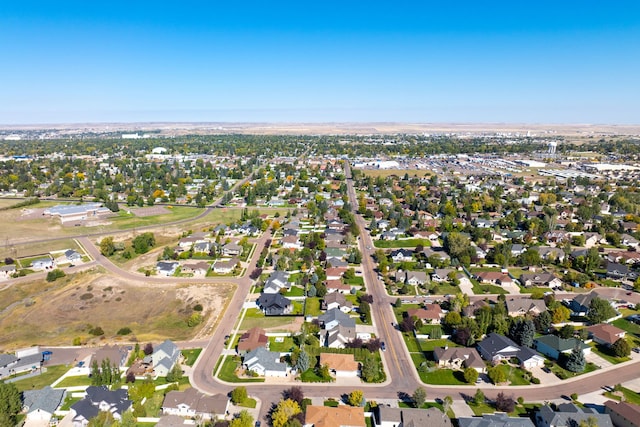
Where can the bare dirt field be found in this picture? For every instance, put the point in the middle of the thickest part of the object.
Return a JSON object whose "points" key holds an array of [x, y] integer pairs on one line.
{"points": [[150, 211], [56, 313]]}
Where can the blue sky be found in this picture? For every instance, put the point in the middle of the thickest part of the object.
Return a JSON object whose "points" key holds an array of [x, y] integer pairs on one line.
{"points": [[539, 62]]}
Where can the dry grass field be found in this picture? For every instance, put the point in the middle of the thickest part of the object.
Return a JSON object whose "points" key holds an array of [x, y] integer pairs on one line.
{"points": [[56, 313]]}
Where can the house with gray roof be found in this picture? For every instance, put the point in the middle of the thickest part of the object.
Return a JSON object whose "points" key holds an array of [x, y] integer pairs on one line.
{"points": [[72, 256], [192, 403], [276, 281], [99, 398], [338, 328], [24, 360], [40, 405], [495, 348], [495, 420], [385, 416], [264, 362], [459, 358], [569, 414], [167, 268], [521, 306], [274, 304], [164, 357], [45, 263]]}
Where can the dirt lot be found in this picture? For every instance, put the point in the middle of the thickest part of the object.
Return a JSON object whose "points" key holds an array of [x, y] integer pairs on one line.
{"points": [[56, 313], [152, 211]]}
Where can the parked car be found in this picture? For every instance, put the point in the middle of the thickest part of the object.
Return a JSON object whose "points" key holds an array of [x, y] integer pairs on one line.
{"points": [[383, 346], [636, 349]]}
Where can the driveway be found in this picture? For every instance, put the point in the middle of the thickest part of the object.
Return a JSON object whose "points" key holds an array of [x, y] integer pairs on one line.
{"points": [[466, 286], [597, 360]]}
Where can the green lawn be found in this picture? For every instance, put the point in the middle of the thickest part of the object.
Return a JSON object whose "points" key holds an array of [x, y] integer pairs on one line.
{"points": [[563, 374], [152, 406], [404, 243], [249, 402], [228, 374], [483, 408], [444, 288], [628, 326], [281, 347], [295, 291], [298, 307], [514, 375], [356, 281], [68, 401], [630, 396], [191, 355], [309, 376], [312, 307], [444, 377], [45, 379], [429, 345], [479, 289], [75, 381], [604, 353]]}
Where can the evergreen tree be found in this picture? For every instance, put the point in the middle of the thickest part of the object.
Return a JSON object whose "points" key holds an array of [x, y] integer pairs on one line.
{"points": [[575, 361]]}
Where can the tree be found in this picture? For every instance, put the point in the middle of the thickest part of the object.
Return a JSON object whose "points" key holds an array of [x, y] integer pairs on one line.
{"points": [[175, 374], [522, 332], [355, 398], [543, 322], [10, 404], [560, 314], [239, 395], [295, 393], [103, 419], [496, 375], [566, 331], [478, 397], [575, 361], [148, 349], [470, 375], [621, 348], [128, 420], [107, 247], [284, 411], [243, 419], [446, 404], [504, 403], [54, 275], [600, 310], [419, 396], [371, 368], [143, 242], [303, 362]]}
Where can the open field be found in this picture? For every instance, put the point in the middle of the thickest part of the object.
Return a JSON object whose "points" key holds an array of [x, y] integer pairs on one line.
{"points": [[33, 249], [56, 313]]}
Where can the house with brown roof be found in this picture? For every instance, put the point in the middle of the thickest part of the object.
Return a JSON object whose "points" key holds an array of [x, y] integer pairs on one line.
{"points": [[431, 313], [520, 306], [336, 300], [494, 277], [199, 268], [252, 339], [341, 365], [192, 403], [459, 358], [335, 273], [623, 414], [337, 286], [340, 416], [605, 333]]}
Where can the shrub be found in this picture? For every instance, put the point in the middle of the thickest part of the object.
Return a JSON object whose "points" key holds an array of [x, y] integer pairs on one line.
{"points": [[197, 307], [54, 275], [97, 331], [124, 331]]}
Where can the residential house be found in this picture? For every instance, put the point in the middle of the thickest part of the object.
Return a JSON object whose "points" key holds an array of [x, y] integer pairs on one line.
{"points": [[619, 271], [579, 305], [291, 242], [40, 405], [72, 256], [569, 414], [441, 274], [521, 307], [164, 358], [494, 277], [517, 249], [341, 365], [545, 279], [495, 348], [192, 403], [7, 271], [24, 360], [335, 273], [274, 304], [339, 416], [550, 253], [593, 239], [623, 414], [265, 363], [42, 264], [277, 280], [402, 255], [494, 420], [628, 240], [336, 262], [167, 268], [199, 268], [97, 399], [203, 247], [336, 286], [459, 358], [472, 308], [605, 334], [552, 345], [385, 416], [252, 339], [232, 249], [225, 266], [338, 328], [413, 278], [187, 243], [336, 300], [112, 354], [431, 313]]}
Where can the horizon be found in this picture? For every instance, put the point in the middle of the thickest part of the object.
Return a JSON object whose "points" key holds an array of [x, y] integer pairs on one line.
{"points": [[320, 63]]}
